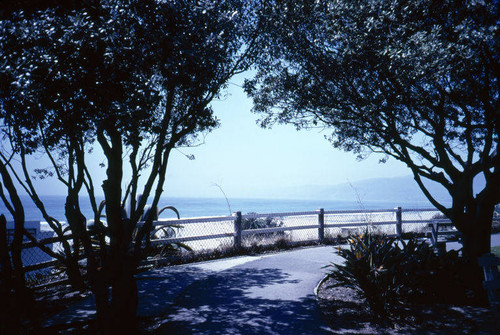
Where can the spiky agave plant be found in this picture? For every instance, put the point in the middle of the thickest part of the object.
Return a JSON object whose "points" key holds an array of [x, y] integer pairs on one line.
{"points": [[370, 262], [157, 232]]}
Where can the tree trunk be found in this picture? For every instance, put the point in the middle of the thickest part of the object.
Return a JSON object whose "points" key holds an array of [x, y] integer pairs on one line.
{"points": [[17, 303], [20, 298], [477, 240], [9, 322], [120, 266], [475, 225], [103, 310], [476, 228], [77, 223], [125, 300], [75, 276]]}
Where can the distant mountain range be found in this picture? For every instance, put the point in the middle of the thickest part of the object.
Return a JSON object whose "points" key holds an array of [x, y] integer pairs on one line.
{"points": [[375, 189]]}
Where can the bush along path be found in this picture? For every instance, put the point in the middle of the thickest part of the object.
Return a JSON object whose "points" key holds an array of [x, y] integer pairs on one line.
{"points": [[395, 286]]}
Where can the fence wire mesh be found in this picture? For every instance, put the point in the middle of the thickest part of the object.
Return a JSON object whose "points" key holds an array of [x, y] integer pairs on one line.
{"points": [[171, 238], [178, 238], [40, 267], [417, 220], [340, 224], [268, 229]]}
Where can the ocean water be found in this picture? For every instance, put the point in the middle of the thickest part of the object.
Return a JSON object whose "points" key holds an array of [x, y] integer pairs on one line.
{"points": [[201, 207]]}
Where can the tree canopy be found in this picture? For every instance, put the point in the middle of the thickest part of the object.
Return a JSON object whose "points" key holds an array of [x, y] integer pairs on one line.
{"points": [[145, 69], [415, 81], [81, 69], [135, 78]]}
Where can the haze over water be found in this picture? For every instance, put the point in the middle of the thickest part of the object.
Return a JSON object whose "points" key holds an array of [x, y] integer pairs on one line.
{"points": [[199, 207]]}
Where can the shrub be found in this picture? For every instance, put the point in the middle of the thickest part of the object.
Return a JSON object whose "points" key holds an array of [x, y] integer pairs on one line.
{"points": [[149, 250], [165, 249], [262, 223], [390, 272], [369, 269]]}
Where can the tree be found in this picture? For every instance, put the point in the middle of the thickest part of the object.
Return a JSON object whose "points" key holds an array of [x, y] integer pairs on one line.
{"points": [[414, 81], [136, 79]]}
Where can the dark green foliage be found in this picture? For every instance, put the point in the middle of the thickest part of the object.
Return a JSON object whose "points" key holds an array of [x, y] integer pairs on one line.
{"points": [[262, 223], [370, 266], [134, 78], [390, 273], [416, 81], [259, 223]]}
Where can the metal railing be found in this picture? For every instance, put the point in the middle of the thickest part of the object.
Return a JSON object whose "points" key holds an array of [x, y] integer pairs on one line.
{"points": [[212, 233], [317, 225]]}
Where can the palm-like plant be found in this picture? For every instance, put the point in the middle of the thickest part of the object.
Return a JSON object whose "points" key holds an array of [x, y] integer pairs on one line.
{"points": [[156, 232], [369, 264]]}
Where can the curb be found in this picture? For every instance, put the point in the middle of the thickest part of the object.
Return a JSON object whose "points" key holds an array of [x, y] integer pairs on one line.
{"points": [[316, 288]]}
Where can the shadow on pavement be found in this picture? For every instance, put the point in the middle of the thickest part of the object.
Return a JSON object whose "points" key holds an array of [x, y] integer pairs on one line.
{"points": [[223, 303], [158, 289]]}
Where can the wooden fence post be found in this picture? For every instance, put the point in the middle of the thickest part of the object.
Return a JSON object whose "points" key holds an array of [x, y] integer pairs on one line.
{"points": [[399, 221], [434, 233], [321, 224], [237, 230]]}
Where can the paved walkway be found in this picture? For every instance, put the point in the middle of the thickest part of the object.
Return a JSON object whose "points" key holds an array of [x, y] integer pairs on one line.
{"points": [[272, 294], [267, 294]]}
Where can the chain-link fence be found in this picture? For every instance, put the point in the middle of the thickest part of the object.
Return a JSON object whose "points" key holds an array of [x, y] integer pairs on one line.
{"points": [[172, 238], [341, 224], [417, 220], [268, 229], [40, 267]]}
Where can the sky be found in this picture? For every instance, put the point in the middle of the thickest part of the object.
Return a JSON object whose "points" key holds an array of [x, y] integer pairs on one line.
{"points": [[247, 161]]}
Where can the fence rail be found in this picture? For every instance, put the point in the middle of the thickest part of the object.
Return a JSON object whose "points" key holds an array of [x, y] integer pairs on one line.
{"points": [[210, 233]]}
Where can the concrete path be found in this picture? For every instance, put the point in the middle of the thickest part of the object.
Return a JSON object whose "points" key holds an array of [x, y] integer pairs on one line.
{"points": [[267, 294], [272, 294]]}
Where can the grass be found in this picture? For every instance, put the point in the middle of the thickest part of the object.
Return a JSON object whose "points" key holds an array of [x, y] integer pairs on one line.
{"points": [[496, 251]]}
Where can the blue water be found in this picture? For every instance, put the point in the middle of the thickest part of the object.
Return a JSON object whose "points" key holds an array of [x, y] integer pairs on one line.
{"points": [[196, 207]]}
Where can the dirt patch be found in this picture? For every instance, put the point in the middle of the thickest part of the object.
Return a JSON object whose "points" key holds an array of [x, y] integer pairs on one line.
{"points": [[348, 313]]}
